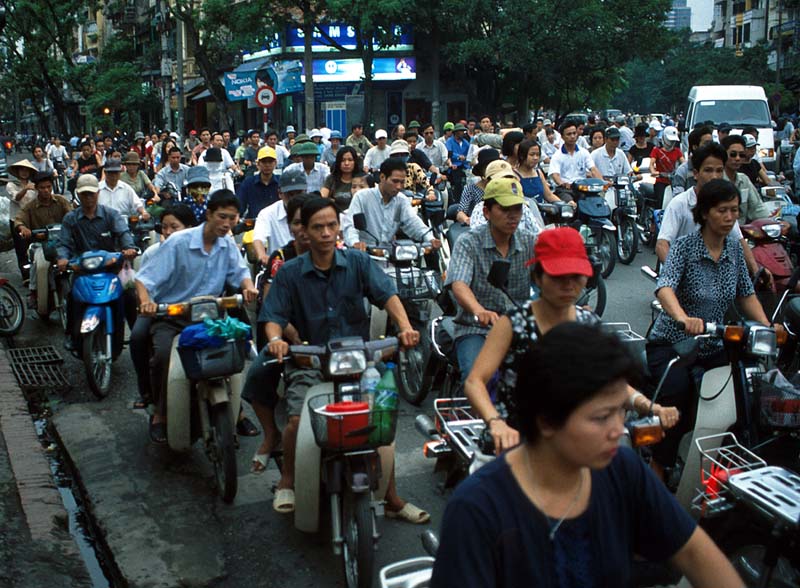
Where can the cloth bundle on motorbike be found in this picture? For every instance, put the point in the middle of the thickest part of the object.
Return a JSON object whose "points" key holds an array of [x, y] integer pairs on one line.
{"points": [[227, 328]]}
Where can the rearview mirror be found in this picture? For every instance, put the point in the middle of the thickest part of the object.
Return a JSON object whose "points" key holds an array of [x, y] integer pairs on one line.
{"points": [[498, 273], [360, 221], [437, 218]]}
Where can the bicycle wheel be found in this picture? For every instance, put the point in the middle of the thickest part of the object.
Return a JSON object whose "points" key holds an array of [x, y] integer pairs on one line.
{"points": [[12, 310]]}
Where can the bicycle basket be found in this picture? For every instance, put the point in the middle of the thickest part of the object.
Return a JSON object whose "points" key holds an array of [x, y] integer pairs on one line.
{"points": [[350, 425], [778, 399], [414, 283]]}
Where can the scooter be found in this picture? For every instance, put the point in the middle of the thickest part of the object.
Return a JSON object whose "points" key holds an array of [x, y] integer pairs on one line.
{"points": [[204, 389], [593, 221], [417, 289], [624, 215], [144, 234], [100, 335], [52, 286], [768, 238], [649, 216], [341, 446]]}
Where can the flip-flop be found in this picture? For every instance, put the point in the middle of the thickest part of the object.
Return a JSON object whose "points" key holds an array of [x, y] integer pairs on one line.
{"points": [[246, 428], [258, 465], [158, 432], [284, 501], [409, 513]]}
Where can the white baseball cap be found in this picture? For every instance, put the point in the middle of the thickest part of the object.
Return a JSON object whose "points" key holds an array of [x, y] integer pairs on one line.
{"points": [[381, 134], [655, 124], [671, 134], [749, 141]]}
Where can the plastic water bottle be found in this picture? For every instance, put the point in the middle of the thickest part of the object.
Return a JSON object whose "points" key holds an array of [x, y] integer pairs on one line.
{"points": [[386, 390], [369, 383]]}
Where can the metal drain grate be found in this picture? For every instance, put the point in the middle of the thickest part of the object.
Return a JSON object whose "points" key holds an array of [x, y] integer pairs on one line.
{"points": [[47, 354], [39, 376]]}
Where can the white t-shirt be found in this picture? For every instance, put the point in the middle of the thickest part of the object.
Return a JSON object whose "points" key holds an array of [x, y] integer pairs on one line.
{"points": [[272, 227], [611, 166], [571, 167], [122, 198], [678, 220]]}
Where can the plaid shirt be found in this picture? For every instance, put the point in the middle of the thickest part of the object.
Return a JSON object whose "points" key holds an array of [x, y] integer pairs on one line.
{"points": [[470, 263]]}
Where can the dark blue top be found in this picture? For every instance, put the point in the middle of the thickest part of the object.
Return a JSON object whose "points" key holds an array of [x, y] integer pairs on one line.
{"points": [[494, 536], [326, 305], [106, 231], [254, 195], [533, 188]]}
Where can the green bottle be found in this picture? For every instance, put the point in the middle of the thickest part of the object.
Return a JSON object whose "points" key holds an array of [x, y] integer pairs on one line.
{"points": [[384, 408]]}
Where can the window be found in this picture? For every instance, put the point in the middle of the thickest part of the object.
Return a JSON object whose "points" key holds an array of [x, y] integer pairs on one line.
{"points": [[746, 33]]}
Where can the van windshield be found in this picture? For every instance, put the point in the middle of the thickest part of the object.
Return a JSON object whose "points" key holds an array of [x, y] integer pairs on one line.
{"points": [[737, 113]]}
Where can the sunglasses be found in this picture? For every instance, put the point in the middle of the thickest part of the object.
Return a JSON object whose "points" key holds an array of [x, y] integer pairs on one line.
{"points": [[737, 154]]}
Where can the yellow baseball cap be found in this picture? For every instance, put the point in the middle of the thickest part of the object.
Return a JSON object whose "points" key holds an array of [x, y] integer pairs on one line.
{"points": [[504, 191], [266, 153]]}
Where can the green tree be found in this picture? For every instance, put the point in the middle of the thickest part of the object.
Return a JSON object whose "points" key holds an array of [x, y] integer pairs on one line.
{"points": [[216, 30], [559, 54]]}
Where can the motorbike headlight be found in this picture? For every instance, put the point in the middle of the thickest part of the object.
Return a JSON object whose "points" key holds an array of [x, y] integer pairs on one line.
{"points": [[351, 361], [772, 231], [405, 252], [762, 341], [204, 310], [567, 212], [92, 263]]}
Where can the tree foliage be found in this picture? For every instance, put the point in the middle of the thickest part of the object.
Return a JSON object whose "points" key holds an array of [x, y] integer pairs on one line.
{"points": [[662, 84], [562, 55]]}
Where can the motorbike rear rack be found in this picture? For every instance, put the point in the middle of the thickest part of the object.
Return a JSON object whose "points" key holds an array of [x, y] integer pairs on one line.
{"points": [[455, 420], [772, 490]]}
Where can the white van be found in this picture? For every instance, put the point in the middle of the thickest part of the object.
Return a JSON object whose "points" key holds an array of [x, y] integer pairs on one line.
{"points": [[739, 106]]}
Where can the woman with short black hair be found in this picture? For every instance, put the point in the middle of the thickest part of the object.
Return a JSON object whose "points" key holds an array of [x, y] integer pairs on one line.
{"points": [[569, 507]]}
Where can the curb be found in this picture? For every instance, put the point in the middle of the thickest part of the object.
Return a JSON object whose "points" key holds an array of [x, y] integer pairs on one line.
{"points": [[44, 511]]}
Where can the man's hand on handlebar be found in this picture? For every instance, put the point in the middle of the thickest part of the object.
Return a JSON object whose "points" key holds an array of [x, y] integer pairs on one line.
{"points": [[148, 308], [24, 232], [129, 254], [408, 337], [436, 243], [249, 294], [486, 317], [62, 264], [278, 349], [360, 246], [504, 436]]}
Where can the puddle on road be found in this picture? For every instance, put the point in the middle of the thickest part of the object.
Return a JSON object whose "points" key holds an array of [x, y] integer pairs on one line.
{"points": [[80, 528]]}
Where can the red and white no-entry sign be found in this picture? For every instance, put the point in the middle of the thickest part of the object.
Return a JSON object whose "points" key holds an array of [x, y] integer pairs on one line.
{"points": [[266, 97]]}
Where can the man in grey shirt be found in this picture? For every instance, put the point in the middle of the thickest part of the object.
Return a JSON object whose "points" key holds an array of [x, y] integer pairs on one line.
{"points": [[386, 211], [174, 171]]}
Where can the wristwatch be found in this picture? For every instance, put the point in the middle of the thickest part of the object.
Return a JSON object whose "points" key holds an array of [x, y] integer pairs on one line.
{"points": [[276, 338]]}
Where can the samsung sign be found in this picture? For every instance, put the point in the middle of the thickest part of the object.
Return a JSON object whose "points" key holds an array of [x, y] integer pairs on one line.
{"points": [[343, 34], [384, 69]]}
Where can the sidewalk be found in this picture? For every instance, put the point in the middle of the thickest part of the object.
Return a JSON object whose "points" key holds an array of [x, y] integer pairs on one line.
{"points": [[35, 546]]}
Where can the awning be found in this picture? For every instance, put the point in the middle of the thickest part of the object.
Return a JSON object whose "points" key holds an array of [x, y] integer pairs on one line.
{"points": [[253, 64], [202, 95]]}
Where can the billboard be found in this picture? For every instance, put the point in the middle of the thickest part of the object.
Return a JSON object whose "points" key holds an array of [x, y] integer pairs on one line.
{"points": [[352, 70], [240, 85]]}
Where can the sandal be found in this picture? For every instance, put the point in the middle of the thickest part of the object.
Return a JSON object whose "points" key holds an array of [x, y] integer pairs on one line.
{"points": [[246, 428], [158, 432], [408, 513], [284, 501], [258, 465], [141, 404]]}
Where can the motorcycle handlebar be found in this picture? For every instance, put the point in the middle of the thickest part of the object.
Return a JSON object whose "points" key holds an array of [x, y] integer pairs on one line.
{"points": [[178, 309]]}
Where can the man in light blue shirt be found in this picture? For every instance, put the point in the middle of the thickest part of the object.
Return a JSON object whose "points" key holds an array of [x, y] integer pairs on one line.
{"points": [[195, 262], [796, 168]]}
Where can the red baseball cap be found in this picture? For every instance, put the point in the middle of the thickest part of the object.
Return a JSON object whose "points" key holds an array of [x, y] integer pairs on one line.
{"points": [[561, 252], [192, 132]]}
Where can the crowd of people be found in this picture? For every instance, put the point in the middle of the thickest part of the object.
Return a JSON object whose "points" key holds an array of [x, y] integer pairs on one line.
{"points": [[562, 503]]}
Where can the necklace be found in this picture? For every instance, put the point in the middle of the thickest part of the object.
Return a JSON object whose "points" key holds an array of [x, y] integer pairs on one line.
{"points": [[559, 522]]}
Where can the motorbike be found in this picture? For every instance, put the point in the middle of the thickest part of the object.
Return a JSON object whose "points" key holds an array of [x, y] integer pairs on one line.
{"points": [[8, 146], [649, 215], [769, 243], [204, 391], [144, 234], [60, 184], [593, 221], [751, 510], [52, 286], [12, 309], [432, 213], [99, 337], [417, 289], [341, 443], [594, 294], [624, 215], [415, 572]]}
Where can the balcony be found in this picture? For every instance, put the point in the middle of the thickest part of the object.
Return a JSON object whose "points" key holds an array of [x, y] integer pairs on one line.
{"points": [[91, 31]]}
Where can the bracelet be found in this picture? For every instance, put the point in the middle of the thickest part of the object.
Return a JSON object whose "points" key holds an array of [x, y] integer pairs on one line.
{"points": [[276, 338], [633, 398], [494, 418]]}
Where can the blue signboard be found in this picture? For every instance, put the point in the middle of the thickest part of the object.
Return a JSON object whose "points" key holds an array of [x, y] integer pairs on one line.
{"points": [[292, 40], [240, 85], [352, 70]]}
